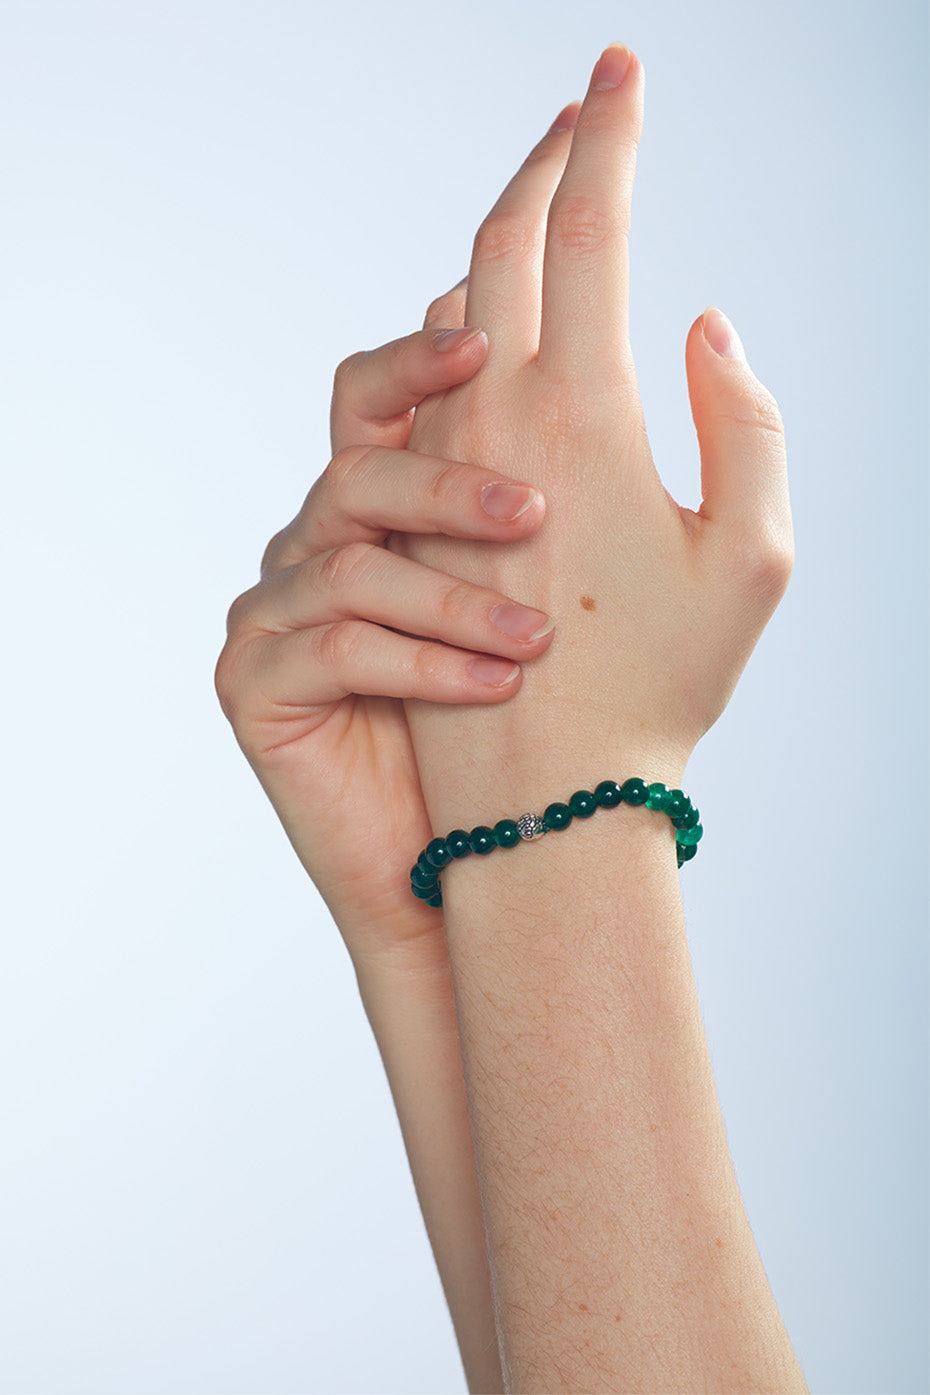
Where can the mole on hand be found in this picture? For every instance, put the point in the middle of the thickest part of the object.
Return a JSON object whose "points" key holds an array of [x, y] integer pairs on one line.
{"points": [[587, 602]]}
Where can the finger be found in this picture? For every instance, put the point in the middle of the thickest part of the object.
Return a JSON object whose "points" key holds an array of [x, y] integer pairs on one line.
{"points": [[448, 309], [505, 279], [375, 391], [585, 296], [367, 492], [326, 664], [372, 584], [744, 472]]}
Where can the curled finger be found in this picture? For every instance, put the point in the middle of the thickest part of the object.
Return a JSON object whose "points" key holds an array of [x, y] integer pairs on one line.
{"points": [[365, 493]]}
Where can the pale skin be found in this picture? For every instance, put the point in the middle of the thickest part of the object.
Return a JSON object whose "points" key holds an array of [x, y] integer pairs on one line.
{"points": [[540, 1032]]}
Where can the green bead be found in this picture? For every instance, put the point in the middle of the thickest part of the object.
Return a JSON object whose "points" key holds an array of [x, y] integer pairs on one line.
{"points": [[434, 900], [608, 794], [557, 816], [658, 797], [678, 803], [424, 863], [634, 792], [685, 854], [421, 878], [423, 893], [457, 843], [689, 819], [582, 804], [506, 834], [438, 853], [690, 837], [481, 840]]}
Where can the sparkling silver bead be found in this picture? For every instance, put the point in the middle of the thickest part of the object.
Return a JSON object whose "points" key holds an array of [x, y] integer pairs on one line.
{"points": [[530, 827]]}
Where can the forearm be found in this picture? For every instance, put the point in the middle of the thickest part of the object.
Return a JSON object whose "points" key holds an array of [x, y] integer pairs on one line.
{"points": [[408, 999], [621, 1252]]}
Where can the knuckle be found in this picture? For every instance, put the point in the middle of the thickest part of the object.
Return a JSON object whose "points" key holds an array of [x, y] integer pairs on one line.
{"points": [[278, 553], [501, 236], [455, 602], [446, 309], [424, 667], [346, 372], [237, 616], [765, 563], [439, 310], [228, 680], [445, 485], [342, 469], [578, 224], [345, 568], [758, 408], [338, 644]]}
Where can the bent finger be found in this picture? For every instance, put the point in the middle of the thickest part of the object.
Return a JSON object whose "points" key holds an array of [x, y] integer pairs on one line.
{"points": [[375, 391], [448, 309], [323, 665], [365, 493], [369, 583]]}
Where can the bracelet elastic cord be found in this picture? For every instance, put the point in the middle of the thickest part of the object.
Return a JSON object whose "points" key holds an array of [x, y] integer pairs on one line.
{"points": [[424, 875]]}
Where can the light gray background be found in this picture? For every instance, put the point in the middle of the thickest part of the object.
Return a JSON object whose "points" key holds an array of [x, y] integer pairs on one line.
{"points": [[204, 207]]}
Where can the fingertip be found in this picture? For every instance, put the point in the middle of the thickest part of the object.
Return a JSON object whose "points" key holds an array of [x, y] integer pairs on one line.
{"points": [[446, 341], [500, 675], [507, 502]]}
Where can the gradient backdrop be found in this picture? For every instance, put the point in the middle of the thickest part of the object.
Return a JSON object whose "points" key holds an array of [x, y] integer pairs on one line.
{"points": [[205, 206]]}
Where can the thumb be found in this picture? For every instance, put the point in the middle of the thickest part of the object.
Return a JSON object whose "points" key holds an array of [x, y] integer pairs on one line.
{"points": [[744, 477]]}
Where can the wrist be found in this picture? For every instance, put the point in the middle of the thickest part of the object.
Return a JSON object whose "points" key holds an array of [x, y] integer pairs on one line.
{"points": [[480, 766]]}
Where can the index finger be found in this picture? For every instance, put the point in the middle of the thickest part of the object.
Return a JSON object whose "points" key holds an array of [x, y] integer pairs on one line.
{"points": [[585, 299], [376, 391]]}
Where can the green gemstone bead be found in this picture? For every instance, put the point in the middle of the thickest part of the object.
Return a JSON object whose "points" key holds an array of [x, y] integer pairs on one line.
{"points": [[481, 840], [634, 792], [424, 863], [457, 843], [658, 797], [582, 804], [421, 878], [438, 853], [608, 794], [678, 803], [423, 893], [434, 900], [687, 820], [506, 834], [685, 854], [690, 837], [557, 816]]}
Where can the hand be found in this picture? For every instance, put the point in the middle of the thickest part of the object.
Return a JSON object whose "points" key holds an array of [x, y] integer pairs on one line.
{"points": [[338, 630], [657, 607]]}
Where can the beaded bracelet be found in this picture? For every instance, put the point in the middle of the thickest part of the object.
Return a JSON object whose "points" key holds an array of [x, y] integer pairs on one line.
{"points": [[424, 875]]}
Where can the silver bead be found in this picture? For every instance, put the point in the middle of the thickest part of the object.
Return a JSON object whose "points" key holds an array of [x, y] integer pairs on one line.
{"points": [[530, 827]]}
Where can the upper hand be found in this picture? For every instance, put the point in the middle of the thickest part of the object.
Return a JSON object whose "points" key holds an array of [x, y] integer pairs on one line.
{"points": [[657, 607]]}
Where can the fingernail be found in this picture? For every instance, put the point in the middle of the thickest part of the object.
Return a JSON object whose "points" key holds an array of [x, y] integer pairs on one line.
{"points": [[448, 339], [611, 67], [496, 672], [721, 336], [505, 502], [521, 622], [566, 120]]}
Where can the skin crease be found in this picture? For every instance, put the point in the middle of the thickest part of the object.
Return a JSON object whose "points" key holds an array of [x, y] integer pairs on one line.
{"points": [[313, 676]]}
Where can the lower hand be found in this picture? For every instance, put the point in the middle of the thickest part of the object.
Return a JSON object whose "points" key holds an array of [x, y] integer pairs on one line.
{"points": [[321, 652]]}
